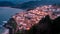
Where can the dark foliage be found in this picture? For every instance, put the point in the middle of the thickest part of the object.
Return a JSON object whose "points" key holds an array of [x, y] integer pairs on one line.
{"points": [[46, 26], [56, 26]]}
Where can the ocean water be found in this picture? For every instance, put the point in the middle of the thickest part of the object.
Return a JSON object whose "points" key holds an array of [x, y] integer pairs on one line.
{"points": [[5, 14]]}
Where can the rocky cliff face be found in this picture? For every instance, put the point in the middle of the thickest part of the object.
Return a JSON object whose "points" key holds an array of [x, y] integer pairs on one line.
{"points": [[11, 25]]}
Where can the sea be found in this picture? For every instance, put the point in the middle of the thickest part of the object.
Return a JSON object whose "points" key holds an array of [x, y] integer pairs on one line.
{"points": [[5, 14]]}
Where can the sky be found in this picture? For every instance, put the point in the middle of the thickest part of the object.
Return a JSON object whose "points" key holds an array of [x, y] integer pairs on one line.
{"points": [[17, 1], [21, 1]]}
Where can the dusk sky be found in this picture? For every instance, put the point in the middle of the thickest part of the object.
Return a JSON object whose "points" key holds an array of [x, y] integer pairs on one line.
{"points": [[17, 1], [21, 1]]}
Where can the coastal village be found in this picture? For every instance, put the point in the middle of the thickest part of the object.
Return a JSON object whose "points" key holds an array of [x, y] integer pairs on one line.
{"points": [[25, 20]]}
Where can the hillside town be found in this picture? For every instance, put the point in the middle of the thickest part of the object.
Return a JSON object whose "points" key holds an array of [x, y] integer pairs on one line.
{"points": [[26, 20]]}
